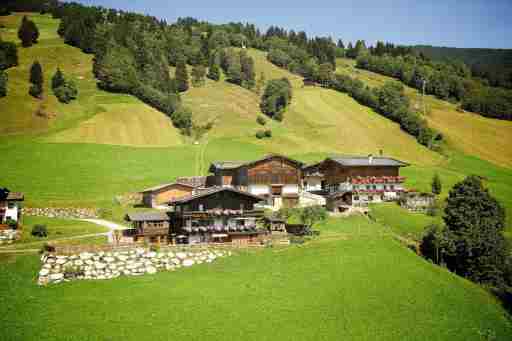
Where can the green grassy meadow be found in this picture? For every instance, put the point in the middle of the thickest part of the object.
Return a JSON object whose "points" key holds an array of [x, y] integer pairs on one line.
{"points": [[357, 283]]}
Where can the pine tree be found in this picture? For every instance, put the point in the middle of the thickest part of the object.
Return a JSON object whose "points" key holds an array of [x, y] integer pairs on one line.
{"points": [[436, 184], [181, 74], [235, 70], [28, 32], [214, 72], [36, 78], [3, 83], [198, 74], [474, 243], [58, 79], [248, 75]]}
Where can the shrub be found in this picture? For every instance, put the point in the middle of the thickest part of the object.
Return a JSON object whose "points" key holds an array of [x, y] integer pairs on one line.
{"points": [[66, 93], [11, 223], [154, 248], [260, 134], [261, 120], [40, 231], [47, 248], [35, 91], [268, 133], [72, 271]]}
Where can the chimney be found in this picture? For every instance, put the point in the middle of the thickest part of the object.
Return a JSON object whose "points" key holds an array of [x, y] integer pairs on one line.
{"points": [[370, 159]]}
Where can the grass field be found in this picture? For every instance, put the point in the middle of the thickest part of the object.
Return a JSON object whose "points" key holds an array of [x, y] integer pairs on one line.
{"points": [[355, 283], [470, 133], [401, 221], [88, 119]]}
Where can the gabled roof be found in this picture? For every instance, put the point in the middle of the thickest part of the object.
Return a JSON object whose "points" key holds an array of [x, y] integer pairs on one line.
{"points": [[271, 156], [194, 181], [211, 191], [147, 216], [356, 161], [312, 169], [15, 196], [159, 187], [226, 165]]}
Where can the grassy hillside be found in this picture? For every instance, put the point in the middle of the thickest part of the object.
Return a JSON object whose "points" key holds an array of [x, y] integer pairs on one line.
{"points": [[470, 133], [96, 117], [354, 283]]}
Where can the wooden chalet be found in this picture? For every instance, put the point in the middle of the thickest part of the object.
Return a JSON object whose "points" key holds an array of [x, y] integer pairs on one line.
{"points": [[10, 208], [159, 196], [313, 180], [151, 227], [357, 181], [218, 214], [276, 178]]}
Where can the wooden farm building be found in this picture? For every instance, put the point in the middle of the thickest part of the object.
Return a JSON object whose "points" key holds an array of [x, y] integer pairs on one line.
{"points": [[10, 207], [151, 227], [357, 181], [276, 178], [219, 214], [159, 196]]}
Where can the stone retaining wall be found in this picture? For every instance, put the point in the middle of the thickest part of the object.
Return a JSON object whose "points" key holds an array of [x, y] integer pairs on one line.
{"points": [[62, 212], [107, 265], [8, 236]]}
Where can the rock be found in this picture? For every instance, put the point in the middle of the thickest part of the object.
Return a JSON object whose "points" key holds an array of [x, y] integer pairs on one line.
{"points": [[100, 266], [61, 261], [44, 272], [150, 270], [56, 277], [122, 258], [188, 262], [109, 259], [151, 254], [85, 255], [181, 255]]}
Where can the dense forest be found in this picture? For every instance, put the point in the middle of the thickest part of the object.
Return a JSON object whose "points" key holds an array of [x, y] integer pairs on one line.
{"points": [[490, 65], [449, 80]]}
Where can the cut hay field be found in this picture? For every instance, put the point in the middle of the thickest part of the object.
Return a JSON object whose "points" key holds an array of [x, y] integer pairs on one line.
{"points": [[89, 119], [356, 283], [472, 134]]}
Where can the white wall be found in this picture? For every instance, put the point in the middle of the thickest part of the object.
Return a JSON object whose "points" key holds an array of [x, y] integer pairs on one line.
{"points": [[12, 212], [313, 184], [290, 189], [259, 189]]}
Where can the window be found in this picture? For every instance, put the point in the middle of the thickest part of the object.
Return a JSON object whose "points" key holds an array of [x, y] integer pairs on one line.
{"points": [[201, 207], [242, 206], [392, 187], [356, 198], [10, 205], [385, 187], [368, 187], [374, 186]]}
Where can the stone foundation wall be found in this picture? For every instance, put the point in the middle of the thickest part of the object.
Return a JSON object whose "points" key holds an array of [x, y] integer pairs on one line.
{"points": [[107, 265], [8, 236], [62, 212]]}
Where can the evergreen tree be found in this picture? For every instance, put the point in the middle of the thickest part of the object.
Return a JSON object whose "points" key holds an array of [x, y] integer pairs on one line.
{"points": [[436, 184], [28, 32], [3, 83], [58, 79], [248, 74], [36, 78], [198, 74], [213, 67], [181, 74], [260, 84], [340, 44], [234, 73], [474, 243]]}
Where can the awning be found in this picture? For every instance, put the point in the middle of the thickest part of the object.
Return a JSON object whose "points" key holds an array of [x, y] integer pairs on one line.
{"points": [[219, 235]]}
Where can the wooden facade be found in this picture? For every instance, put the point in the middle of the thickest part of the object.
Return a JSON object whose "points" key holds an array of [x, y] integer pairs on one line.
{"points": [[163, 194], [151, 227], [335, 173]]}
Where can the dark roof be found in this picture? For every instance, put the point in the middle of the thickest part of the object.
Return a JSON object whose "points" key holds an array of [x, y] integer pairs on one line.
{"points": [[367, 161], [312, 169], [15, 196], [211, 191], [270, 156], [225, 165], [147, 216], [193, 181], [159, 187]]}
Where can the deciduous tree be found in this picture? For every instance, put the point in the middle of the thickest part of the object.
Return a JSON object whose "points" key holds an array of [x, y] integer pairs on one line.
{"points": [[181, 74]]}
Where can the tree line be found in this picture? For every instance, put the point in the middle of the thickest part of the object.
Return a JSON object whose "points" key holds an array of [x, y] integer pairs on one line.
{"points": [[445, 80]]}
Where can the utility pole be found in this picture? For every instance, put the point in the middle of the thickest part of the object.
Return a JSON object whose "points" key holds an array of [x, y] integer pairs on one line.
{"points": [[423, 97]]}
